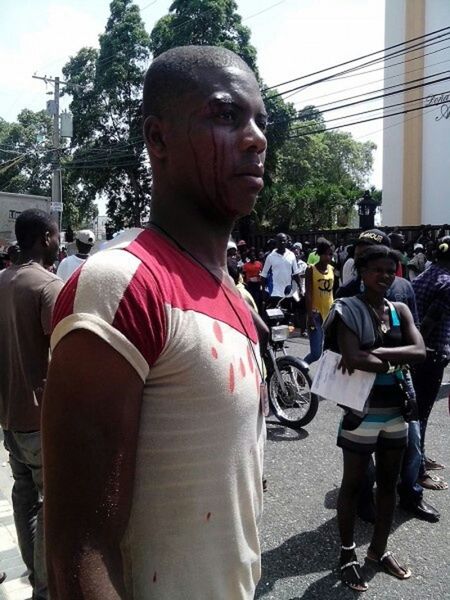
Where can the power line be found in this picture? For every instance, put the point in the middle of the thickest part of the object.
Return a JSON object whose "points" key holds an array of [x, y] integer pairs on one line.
{"points": [[365, 112], [363, 57], [371, 99], [322, 130], [383, 95], [330, 77], [374, 81]]}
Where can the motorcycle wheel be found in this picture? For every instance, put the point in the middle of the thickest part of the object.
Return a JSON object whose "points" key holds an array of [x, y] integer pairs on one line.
{"points": [[299, 406]]}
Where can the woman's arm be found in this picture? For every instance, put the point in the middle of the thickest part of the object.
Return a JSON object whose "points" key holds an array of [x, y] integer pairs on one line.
{"points": [[355, 358], [413, 349]]}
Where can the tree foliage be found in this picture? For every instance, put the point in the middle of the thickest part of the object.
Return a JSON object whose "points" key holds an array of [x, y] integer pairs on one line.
{"points": [[203, 23], [106, 89], [313, 176], [30, 141], [30, 174], [319, 176]]}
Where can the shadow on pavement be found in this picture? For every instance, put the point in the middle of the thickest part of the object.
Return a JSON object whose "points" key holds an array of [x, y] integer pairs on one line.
{"points": [[316, 551], [279, 433]]}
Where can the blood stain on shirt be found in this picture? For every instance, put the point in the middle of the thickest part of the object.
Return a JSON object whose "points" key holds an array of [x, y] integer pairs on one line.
{"points": [[258, 381], [231, 379], [218, 332], [154, 577], [242, 367], [208, 516], [250, 360], [214, 352]]}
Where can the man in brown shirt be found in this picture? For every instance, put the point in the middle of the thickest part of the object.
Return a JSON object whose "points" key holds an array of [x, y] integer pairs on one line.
{"points": [[27, 295]]}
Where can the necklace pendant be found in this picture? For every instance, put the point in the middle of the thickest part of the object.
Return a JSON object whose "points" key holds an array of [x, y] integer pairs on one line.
{"points": [[384, 328]]}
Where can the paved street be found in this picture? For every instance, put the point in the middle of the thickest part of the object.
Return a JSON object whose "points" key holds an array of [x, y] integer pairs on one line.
{"points": [[299, 533]]}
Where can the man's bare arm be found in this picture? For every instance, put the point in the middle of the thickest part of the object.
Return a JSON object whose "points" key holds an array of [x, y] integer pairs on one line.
{"points": [[90, 424]]}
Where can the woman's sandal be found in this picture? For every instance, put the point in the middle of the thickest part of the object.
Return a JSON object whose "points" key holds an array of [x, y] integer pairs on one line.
{"points": [[352, 568], [391, 565]]}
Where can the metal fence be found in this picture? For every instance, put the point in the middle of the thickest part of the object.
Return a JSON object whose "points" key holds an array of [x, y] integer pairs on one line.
{"points": [[413, 234]]}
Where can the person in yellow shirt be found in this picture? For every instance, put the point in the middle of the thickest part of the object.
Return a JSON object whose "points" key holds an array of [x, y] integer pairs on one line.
{"points": [[319, 282]]}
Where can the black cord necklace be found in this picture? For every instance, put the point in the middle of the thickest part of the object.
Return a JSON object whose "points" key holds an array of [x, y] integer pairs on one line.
{"points": [[222, 287], [381, 323]]}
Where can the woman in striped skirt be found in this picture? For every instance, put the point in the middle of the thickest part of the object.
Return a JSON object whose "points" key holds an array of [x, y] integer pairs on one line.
{"points": [[382, 428]]}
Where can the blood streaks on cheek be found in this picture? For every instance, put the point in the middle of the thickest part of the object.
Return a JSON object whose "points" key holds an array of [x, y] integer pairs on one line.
{"points": [[214, 353]]}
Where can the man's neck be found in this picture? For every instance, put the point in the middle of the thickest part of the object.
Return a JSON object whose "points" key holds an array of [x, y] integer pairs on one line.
{"points": [[204, 239], [26, 257]]}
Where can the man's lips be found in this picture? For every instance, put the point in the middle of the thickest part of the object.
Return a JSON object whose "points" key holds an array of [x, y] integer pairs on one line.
{"points": [[253, 170]]}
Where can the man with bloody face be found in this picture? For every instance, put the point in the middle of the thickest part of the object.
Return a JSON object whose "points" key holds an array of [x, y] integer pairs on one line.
{"points": [[153, 452]]}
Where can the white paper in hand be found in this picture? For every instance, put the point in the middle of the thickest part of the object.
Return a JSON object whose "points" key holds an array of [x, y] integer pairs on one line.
{"points": [[331, 383]]}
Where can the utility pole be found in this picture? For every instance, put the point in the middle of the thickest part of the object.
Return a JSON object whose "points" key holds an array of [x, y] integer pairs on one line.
{"points": [[56, 205]]}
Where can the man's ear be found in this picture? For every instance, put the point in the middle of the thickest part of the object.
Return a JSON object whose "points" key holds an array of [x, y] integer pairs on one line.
{"points": [[46, 239], [154, 136]]}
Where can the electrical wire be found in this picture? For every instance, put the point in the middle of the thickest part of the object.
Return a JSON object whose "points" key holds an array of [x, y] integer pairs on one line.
{"points": [[331, 77], [359, 86], [365, 112], [363, 57], [386, 95], [404, 112]]}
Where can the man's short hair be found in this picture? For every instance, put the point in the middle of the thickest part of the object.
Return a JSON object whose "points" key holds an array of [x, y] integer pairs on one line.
{"points": [[180, 71], [31, 225]]}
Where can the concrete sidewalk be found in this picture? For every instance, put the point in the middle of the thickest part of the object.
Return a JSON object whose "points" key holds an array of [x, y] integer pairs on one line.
{"points": [[16, 586]]}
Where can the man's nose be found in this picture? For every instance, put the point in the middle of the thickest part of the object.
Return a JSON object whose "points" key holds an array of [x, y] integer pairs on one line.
{"points": [[254, 138]]}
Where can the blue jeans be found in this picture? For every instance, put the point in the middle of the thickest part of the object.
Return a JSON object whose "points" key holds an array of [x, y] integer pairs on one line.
{"points": [[408, 489], [27, 494], [315, 339]]}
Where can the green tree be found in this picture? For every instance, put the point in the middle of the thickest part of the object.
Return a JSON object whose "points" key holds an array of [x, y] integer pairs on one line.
{"points": [[30, 174], [106, 88], [319, 176], [203, 23], [29, 140]]}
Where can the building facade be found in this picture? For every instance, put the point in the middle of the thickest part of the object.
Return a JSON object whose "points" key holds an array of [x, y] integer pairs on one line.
{"points": [[11, 205], [416, 144]]}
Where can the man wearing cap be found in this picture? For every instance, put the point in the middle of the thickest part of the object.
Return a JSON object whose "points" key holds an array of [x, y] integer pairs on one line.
{"points": [[410, 492], [416, 265], [85, 239], [243, 253]]}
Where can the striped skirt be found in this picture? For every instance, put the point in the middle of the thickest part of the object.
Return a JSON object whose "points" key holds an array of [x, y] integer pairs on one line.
{"points": [[380, 428]]}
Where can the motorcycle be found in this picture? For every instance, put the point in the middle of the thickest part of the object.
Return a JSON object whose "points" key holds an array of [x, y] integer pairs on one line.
{"points": [[288, 379]]}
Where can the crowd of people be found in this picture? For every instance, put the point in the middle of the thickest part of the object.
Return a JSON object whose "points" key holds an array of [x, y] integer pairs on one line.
{"points": [[145, 429]]}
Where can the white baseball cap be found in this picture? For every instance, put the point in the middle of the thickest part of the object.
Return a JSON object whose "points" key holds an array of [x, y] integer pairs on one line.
{"points": [[86, 236]]}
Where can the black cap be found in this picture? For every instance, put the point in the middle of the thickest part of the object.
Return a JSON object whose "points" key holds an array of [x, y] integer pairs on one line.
{"points": [[373, 237]]}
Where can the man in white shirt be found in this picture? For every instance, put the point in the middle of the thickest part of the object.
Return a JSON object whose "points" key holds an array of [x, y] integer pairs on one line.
{"points": [[284, 268], [85, 240]]}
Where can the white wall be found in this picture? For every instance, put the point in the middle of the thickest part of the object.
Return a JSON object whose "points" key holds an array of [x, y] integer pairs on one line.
{"points": [[11, 205], [393, 132], [436, 124]]}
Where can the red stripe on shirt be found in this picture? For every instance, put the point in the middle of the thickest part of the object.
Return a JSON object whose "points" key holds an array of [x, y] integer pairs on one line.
{"points": [[188, 286], [64, 303], [141, 316]]}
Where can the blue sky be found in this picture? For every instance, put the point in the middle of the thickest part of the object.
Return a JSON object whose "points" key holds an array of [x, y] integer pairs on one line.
{"points": [[292, 37]]}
